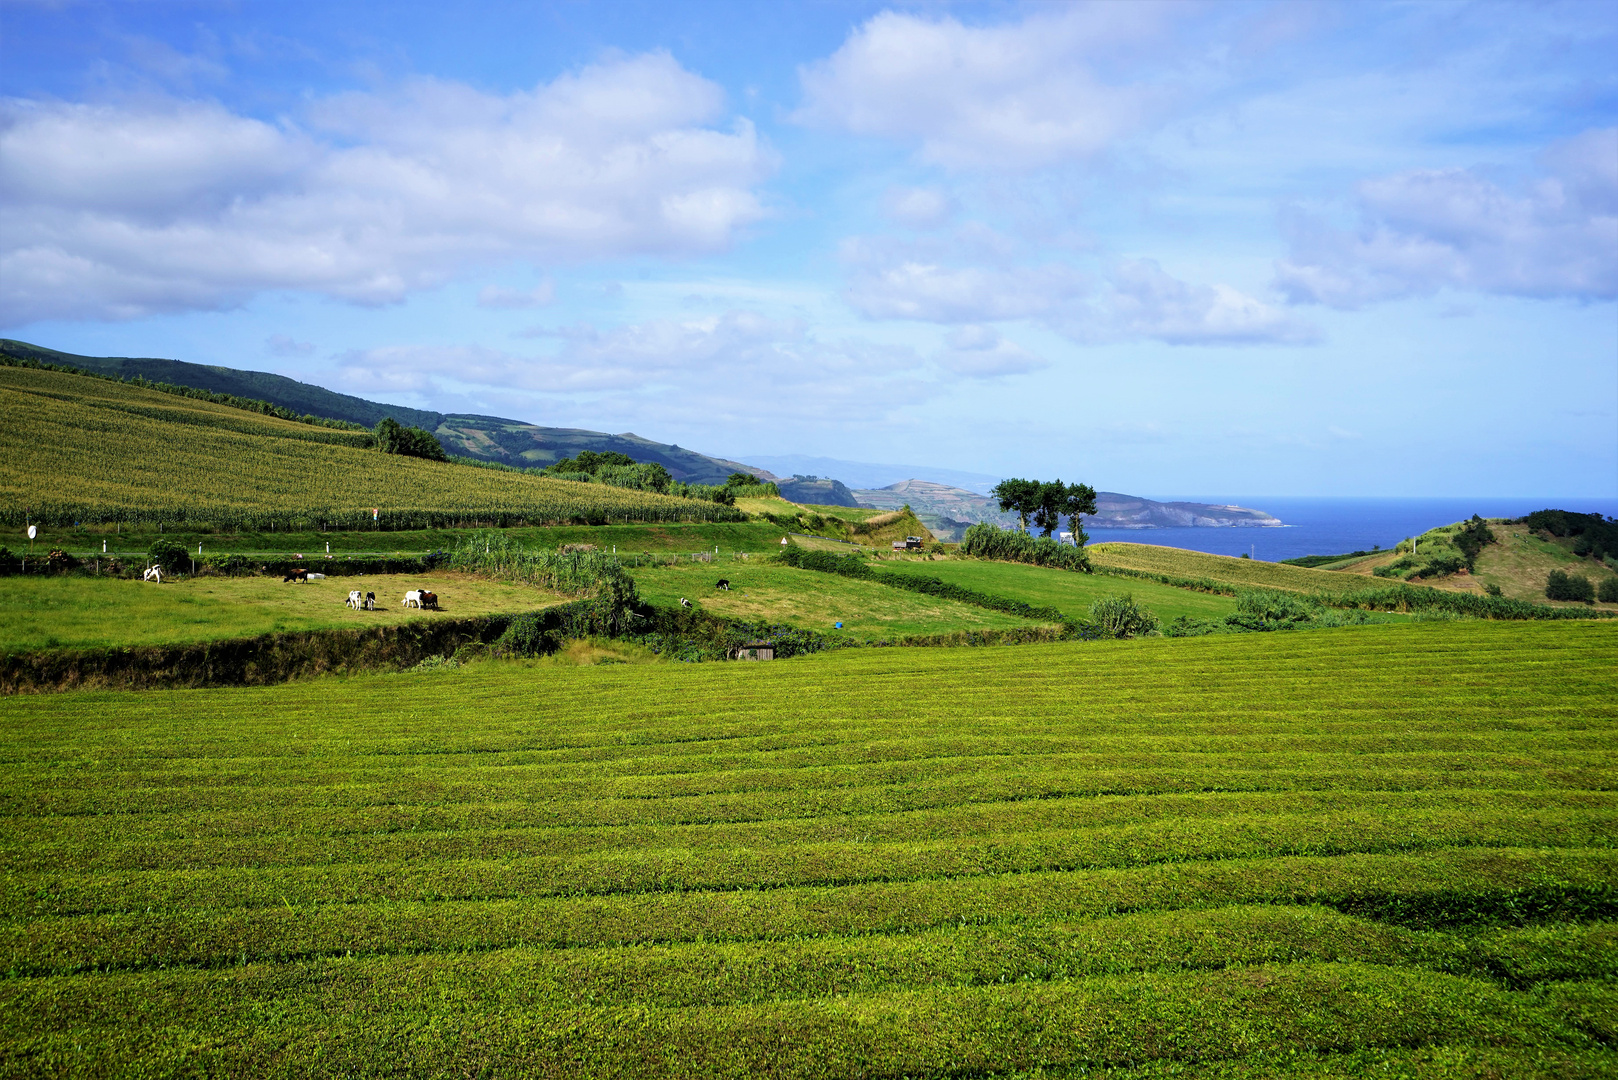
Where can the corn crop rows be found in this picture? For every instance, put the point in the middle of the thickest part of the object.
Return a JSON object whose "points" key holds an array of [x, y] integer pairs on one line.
{"points": [[85, 450], [1387, 849]]}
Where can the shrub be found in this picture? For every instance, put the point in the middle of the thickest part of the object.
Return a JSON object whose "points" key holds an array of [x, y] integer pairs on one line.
{"points": [[60, 562], [1121, 617], [1608, 593], [1492, 589], [985, 541], [170, 555], [10, 563], [1563, 586]]}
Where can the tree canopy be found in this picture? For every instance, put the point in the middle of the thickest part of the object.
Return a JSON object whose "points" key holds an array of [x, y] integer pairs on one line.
{"points": [[393, 437]]}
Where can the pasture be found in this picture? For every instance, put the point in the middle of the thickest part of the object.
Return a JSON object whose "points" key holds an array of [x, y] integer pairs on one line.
{"points": [[774, 593], [1068, 592], [78, 612], [1383, 850]]}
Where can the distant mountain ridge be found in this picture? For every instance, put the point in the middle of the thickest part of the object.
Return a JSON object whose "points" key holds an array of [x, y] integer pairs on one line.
{"points": [[947, 511], [487, 438]]}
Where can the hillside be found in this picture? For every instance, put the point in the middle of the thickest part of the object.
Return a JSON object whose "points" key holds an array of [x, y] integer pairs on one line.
{"points": [[1517, 563], [817, 491], [83, 449], [488, 438]]}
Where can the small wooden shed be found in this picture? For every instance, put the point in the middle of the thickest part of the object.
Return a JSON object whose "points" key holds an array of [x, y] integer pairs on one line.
{"points": [[756, 650]]}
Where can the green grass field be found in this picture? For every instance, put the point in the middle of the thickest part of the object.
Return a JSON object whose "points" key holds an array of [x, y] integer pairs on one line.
{"points": [[867, 610], [1386, 850], [76, 612], [1240, 573], [1070, 593]]}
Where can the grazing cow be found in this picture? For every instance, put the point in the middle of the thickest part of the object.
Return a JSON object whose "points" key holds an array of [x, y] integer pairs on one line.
{"points": [[413, 598], [355, 600], [298, 576], [724, 583], [370, 601], [153, 573], [684, 602]]}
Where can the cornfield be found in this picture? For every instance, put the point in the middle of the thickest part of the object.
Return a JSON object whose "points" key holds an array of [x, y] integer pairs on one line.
{"points": [[81, 450]]}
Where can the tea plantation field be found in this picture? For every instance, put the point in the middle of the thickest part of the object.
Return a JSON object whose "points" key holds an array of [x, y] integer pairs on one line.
{"points": [[1381, 850]]}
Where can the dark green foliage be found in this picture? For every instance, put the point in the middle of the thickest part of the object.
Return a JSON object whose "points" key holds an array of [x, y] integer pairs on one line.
{"points": [[172, 557], [1608, 593], [10, 562], [1492, 589], [1121, 617], [1471, 539], [1591, 534], [985, 541], [393, 437], [1563, 586], [1312, 561], [1020, 497]]}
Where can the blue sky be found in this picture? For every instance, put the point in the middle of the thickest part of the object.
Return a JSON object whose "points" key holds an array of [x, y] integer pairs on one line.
{"points": [[1302, 249]]}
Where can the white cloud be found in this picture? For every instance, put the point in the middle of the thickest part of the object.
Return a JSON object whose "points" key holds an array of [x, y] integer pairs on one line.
{"points": [[1143, 301], [739, 369], [996, 97], [967, 281], [919, 207], [1454, 228], [979, 352], [283, 345], [496, 296], [115, 211]]}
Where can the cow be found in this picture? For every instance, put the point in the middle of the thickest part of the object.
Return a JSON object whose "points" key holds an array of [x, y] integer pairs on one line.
{"points": [[724, 583], [299, 576], [370, 601], [429, 599], [413, 598], [684, 602], [355, 600], [153, 573]]}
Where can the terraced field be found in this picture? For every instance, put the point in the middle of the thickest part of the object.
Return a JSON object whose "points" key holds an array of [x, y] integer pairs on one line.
{"points": [[774, 593], [1068, 592], [1385, 850]]}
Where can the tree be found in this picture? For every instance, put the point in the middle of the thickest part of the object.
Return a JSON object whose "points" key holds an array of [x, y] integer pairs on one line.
{"points": [[1020, 497], [741, 479], [1048, 511], [393, 437], [1564, 586], [1078, 499]]}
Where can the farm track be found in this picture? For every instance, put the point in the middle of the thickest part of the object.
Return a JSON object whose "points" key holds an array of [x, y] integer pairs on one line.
{"points": [[1387, 846]]}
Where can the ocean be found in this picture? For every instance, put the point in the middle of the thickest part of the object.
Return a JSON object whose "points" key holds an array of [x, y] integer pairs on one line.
{"points": [[1333, 526]]}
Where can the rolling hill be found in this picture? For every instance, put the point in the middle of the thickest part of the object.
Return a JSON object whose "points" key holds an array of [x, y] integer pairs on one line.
{"points": [[487, 438], [82, 449]]}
